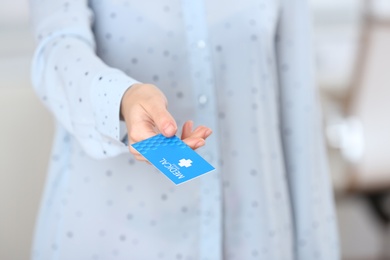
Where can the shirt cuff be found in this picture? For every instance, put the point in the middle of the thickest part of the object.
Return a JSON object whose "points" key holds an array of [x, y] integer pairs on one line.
{"points": [[106, 96]]}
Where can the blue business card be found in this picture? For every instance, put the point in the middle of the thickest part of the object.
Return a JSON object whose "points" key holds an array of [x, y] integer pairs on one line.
{"points": [[173, 158]]}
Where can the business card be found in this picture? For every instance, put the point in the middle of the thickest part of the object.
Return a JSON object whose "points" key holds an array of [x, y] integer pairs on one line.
{"points": [[173, 158]]}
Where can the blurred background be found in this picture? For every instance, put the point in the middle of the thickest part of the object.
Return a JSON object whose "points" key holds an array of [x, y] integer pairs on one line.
{"points": [[352, 41]]}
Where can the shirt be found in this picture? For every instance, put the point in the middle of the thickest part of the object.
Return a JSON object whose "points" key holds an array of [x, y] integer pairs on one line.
{"points": [[242, 68]]}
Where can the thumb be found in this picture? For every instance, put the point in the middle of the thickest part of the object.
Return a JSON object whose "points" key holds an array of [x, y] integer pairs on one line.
{"points": [[163, 120]]}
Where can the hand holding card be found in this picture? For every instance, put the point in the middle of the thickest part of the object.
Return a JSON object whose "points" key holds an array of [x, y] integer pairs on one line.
{"points": [[173, 158], [144, 108]]}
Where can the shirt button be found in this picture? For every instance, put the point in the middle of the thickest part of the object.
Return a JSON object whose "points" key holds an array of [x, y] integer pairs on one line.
{"points": [[202, 99], [201, 44]]}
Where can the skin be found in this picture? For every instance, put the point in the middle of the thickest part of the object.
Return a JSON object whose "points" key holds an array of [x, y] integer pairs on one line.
{"points": [[144, 110]]}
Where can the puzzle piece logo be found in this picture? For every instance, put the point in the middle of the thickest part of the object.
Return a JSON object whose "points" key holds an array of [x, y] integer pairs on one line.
{"points": [[185, 163]]}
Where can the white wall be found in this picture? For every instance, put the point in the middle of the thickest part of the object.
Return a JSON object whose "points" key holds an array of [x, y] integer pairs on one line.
{"points": [[25, 135]]}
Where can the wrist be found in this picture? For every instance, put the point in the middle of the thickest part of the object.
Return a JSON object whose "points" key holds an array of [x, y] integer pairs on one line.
{"points": [[125, 100]]}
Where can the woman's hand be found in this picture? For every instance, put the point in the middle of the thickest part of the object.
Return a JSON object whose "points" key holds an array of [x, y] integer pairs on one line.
{"points": [[144, 109]]}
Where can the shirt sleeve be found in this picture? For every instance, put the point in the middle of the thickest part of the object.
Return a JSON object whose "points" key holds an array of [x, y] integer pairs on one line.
{"points": [[302, 135], [82, 92]]}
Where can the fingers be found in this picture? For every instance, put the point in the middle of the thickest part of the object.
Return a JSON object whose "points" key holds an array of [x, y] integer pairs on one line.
{"points": [[194, 142], [195, 139], [187, 129], [201, 132], [148, 116], [144, 106], [164, 121], [137, 155]]}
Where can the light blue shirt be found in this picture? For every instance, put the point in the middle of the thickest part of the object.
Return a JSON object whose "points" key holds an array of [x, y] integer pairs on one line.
{"points": [[244, 69]]}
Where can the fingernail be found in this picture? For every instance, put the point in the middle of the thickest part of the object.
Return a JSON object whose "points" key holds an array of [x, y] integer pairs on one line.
{"points": [[190, 124], [208, 132], [169, 130]]}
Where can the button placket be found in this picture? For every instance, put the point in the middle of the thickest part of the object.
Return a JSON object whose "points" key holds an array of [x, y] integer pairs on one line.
{"points": [[211, 241], [202, 100]]}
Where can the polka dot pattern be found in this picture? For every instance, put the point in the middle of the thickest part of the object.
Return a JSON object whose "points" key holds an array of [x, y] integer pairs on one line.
{"points": [[242, 66]]}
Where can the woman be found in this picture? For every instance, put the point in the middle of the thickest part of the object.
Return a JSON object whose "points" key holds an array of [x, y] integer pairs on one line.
{"points": [[242, 69]]}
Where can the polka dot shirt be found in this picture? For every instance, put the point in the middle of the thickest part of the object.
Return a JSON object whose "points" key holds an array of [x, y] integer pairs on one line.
{"points": [[244, 69]]}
